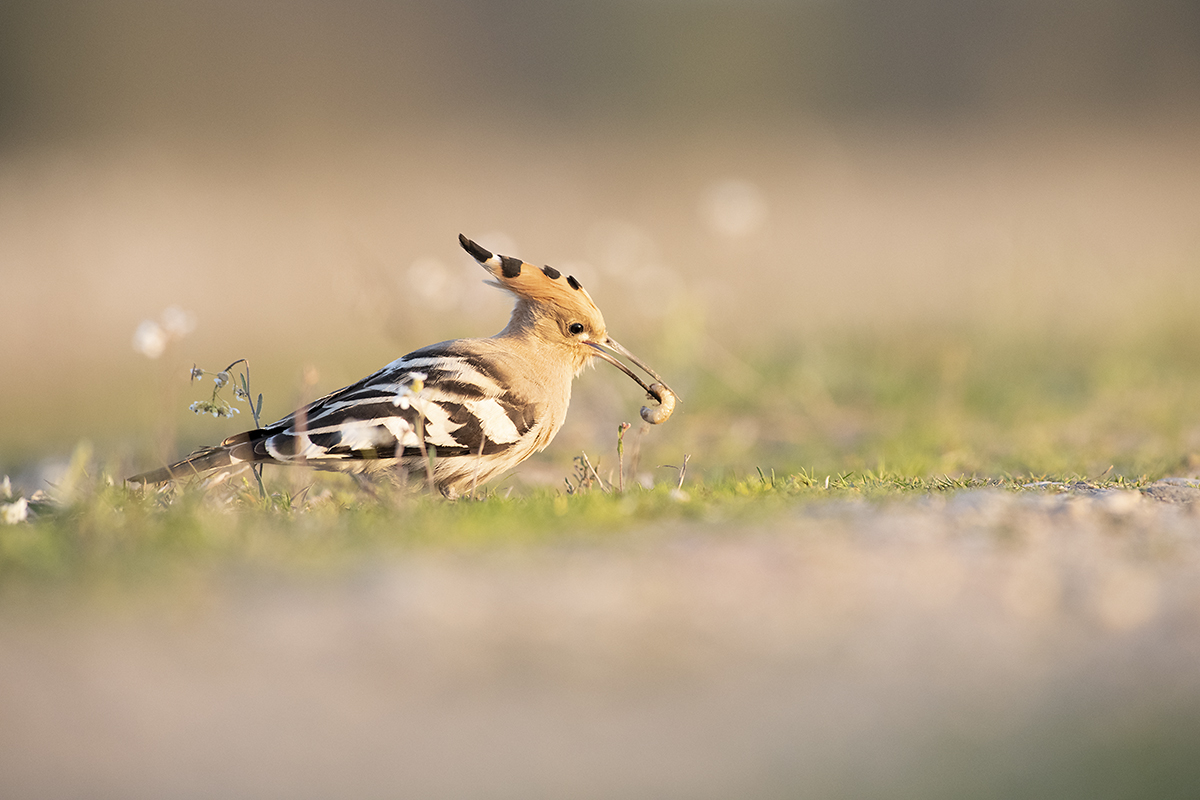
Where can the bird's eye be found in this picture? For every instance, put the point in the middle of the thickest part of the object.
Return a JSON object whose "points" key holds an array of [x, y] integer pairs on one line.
{"points": [[575, 328]]}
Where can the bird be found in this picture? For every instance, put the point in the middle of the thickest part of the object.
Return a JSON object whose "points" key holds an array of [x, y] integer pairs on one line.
{"points": [[459, 412]]}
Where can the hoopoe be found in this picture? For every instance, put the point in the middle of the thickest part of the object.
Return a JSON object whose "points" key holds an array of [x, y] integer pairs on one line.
{"points": [[473, 407]]}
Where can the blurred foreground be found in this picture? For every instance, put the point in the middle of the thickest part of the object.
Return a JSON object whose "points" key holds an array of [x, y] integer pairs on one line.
{"points": [[982, 645]]}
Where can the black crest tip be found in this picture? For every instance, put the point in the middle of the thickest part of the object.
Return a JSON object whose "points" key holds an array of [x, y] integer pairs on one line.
{"points": [[476, 252], [510, 267]]}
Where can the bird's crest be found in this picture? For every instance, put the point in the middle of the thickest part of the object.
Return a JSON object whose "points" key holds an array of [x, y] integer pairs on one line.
{"points": [[538, 284]]}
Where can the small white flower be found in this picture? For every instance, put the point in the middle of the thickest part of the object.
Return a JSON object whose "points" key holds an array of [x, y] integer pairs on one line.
{"points": [[416, 382], [14, 512], [221, 379], [209, 407], [240, 394], [196, 373], [150, 339]]}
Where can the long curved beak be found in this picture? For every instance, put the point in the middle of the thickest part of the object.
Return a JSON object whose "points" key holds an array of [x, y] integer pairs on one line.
{"points": [[658, 390]]}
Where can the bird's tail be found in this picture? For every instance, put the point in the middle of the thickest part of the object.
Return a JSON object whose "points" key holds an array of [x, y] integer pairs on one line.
{"points": [[234, 453]]}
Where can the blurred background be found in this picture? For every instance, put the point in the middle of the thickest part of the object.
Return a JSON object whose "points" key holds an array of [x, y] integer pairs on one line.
{"points": [[739, 184]]}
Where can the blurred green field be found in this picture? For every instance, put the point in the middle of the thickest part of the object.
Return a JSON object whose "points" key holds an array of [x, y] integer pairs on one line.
{"points": [[958, 301], [919, 403]]}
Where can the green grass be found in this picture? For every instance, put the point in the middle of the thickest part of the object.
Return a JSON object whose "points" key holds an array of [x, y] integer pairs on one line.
{"points": [[967, 403], [109, 528], [861, 416]]}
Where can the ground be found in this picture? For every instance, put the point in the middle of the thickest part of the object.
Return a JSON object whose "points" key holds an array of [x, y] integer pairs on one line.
{"points": [[972, 642]]}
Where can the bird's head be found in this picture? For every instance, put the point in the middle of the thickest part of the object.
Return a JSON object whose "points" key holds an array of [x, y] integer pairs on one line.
{"points": [[556, 310]]}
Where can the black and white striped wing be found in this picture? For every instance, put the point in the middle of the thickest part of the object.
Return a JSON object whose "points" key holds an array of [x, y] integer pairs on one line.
{"points": [[457, 403]]}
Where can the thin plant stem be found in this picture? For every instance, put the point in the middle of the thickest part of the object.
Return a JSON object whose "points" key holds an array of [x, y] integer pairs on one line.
{"points": [[427, 455], [255, 469], [595, 474], [478, 463], [624, 426]]}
